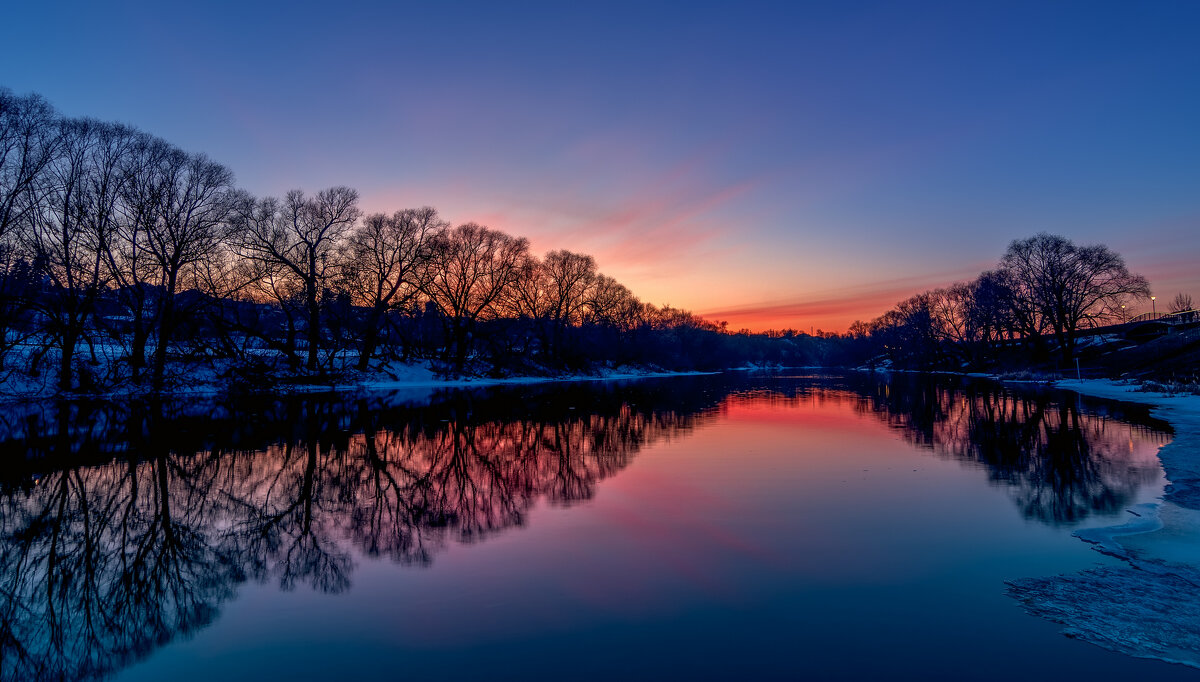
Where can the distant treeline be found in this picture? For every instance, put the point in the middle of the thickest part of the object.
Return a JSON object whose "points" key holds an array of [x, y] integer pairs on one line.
{"points": [[124, 259]]}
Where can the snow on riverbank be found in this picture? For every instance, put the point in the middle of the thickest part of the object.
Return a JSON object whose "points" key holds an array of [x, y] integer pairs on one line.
{"points": [[1149, 608], [418, 379]]}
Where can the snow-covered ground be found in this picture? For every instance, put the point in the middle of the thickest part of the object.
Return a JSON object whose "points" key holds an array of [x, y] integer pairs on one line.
{"points": [[211, 377], [1150, 606], [421, 376]]}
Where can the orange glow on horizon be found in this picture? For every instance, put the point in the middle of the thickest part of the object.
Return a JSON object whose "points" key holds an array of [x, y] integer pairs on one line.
{"points": [[833, 310], [668, 243]]}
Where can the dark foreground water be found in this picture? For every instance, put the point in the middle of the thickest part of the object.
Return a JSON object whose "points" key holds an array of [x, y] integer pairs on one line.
{"points": [[735, 526]]}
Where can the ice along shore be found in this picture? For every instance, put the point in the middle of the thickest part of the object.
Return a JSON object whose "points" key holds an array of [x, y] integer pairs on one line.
{"points": [[1148, 606]]}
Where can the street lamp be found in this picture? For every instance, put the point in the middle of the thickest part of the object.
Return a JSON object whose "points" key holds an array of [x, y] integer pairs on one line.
{"points": [[1153, 310], [1123, 313]]}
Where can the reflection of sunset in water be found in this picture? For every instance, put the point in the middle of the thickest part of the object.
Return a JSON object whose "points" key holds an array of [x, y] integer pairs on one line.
{"points": [[105, 562]]}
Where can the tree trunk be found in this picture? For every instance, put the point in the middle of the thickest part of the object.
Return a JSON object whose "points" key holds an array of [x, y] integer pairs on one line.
{"points": [[137, 350], [1068, 347], [314, 328], [460, 345], [290, 340], [166, 324], [370, 338], [65, 375]]}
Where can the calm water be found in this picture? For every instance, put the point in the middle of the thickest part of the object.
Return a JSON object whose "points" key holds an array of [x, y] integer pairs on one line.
{"points": [[784, 526]]}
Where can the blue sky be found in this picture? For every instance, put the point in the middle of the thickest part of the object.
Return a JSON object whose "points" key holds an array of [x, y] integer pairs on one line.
{"points": [[769, 164]]}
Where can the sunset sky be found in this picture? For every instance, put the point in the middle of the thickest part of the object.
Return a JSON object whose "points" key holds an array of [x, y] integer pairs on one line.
{"points": [[770, 165]]}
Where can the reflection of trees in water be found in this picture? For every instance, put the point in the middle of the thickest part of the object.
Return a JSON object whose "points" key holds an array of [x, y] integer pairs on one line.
{"points": [[101, 563], [103, 559], [466, 481], [1061, 463]]}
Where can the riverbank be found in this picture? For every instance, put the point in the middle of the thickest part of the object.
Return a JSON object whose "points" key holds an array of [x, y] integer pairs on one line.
{"points": [[206, 379], [1149, 606], [417, 381]]}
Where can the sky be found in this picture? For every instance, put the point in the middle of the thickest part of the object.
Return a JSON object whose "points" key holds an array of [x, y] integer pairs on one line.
{"points": [[771, 165]]}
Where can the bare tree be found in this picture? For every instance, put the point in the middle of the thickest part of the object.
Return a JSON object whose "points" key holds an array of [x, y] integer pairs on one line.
{"points": [[300, 235], [1068, 287], [527, 303], [386, 266], [30, 139], [195, 202], [266, 279], [991, 310], [129, 261], [570, 278], [67, 238], [910, 332], [176, 207], [610, 303], [227, 282], [529, 296], [950, 307], [474, 267], [1182, 303]]}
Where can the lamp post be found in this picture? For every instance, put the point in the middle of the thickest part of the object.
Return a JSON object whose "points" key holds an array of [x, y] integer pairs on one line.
{"points": [[1153, 310], [1123, 318]]}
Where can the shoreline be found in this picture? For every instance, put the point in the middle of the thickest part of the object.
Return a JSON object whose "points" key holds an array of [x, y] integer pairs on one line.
{"points": [[1147, 606], [471, 382], [1181, 457], [419, 379]]}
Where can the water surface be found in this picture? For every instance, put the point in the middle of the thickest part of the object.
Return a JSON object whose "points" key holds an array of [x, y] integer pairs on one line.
{"points": [[777, 526]]}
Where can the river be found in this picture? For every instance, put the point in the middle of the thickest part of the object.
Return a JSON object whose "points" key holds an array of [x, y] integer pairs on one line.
{"points": [[785, 525]]}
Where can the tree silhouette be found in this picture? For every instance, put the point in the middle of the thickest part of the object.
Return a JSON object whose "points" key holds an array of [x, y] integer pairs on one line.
{"points": [[1181, 303], [297, 238], [473, 269], [387, 264], [1069, 287]]}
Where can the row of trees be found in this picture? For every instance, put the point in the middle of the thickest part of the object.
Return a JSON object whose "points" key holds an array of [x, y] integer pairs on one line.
{"points": [[89, 210], [1044, 292], [120, 246]]}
